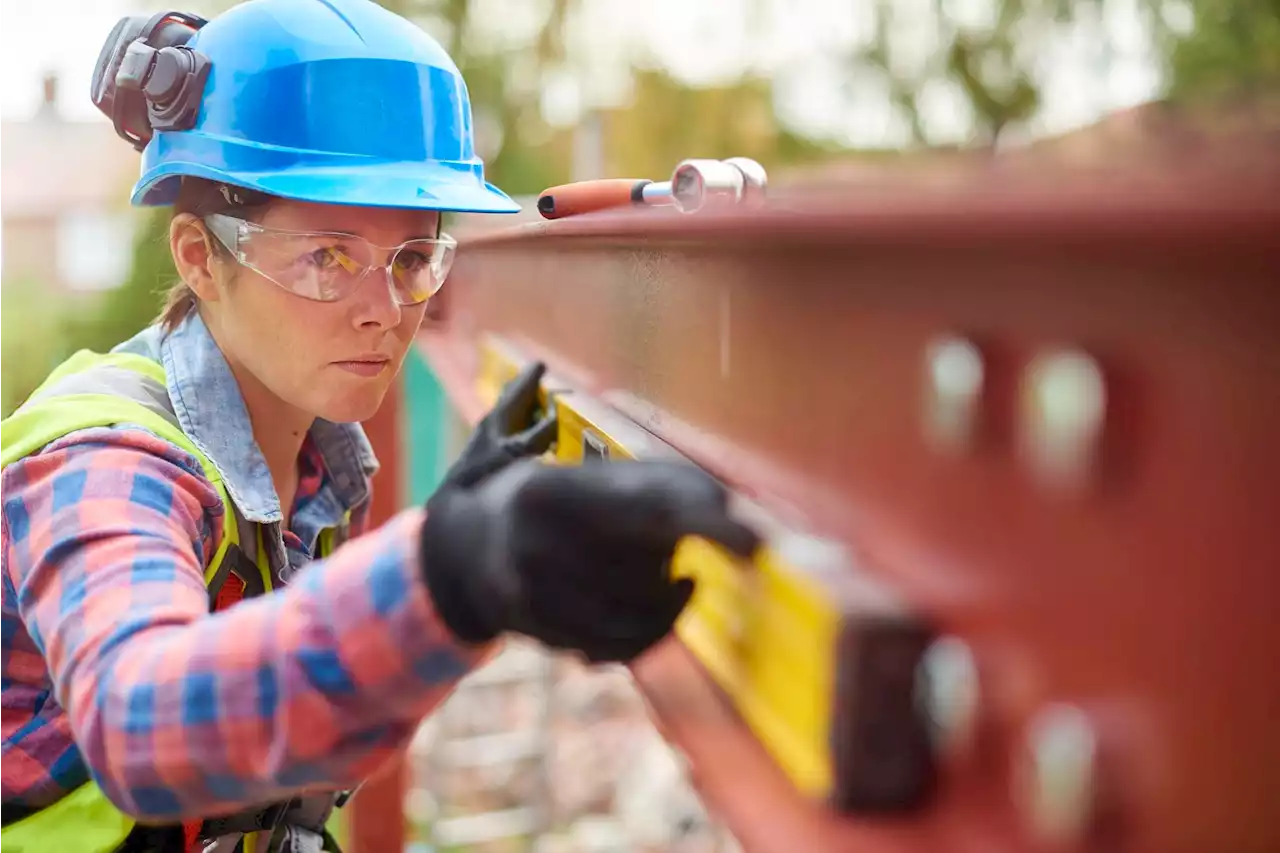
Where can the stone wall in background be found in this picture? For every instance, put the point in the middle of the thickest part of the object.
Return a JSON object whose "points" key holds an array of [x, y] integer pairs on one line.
{"points": [[562, 756]]}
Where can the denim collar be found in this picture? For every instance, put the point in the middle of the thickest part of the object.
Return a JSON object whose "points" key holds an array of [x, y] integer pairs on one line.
{"points": [[211, 411]]}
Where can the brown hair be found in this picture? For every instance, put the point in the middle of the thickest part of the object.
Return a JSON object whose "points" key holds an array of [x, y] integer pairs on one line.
{"points": [[201, 198]]}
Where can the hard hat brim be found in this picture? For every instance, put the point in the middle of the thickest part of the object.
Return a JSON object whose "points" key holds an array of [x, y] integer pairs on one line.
{"points": [[416, 186]]}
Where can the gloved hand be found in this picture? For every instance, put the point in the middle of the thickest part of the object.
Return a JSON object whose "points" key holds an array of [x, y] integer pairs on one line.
{"points": [[508, 432], [576, 557]]}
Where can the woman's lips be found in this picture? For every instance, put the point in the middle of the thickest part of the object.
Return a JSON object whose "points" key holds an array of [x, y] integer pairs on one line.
{"points": [[364, 366]]}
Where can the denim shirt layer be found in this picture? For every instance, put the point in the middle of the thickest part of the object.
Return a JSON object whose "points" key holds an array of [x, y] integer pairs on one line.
{"points": [[212, 413]]}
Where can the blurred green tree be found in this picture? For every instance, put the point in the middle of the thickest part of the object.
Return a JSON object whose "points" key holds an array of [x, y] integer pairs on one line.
{"points": [[1222, 49], [40, 331], [31, 340], [992, 55], [127, 309], [667, 121]]}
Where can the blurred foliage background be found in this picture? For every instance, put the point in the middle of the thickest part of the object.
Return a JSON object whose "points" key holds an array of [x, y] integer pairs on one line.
{"points": [[982, 56]]}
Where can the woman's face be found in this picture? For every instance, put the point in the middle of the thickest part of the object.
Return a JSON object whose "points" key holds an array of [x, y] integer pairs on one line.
{"points": [[332, 360]]}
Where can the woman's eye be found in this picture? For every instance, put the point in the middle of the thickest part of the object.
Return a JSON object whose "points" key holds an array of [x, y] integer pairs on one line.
{"points": [[409, 261], [326, 258]]}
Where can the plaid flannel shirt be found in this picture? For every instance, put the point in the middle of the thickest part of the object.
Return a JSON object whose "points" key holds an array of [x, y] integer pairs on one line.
{"points": [[113, 668]]}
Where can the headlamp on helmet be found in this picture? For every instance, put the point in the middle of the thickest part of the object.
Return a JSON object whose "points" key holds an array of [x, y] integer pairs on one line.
{"points": [[147, 79]]}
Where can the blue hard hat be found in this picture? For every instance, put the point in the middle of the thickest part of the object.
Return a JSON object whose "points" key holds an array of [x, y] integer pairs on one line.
{"points": [[332, 101]]}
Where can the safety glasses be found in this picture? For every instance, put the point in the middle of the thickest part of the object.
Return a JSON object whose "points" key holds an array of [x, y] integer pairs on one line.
{"points": [[326, 267]]}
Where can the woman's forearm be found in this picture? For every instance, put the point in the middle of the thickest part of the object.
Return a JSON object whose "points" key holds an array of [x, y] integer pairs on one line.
{"points": [[181, 713]]}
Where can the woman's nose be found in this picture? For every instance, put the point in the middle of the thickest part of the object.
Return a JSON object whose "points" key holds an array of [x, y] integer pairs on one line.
{"points": [[377, 305]]}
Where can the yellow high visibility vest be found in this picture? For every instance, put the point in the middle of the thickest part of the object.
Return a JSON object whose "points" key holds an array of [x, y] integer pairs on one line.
{"points": [[93, 390]]}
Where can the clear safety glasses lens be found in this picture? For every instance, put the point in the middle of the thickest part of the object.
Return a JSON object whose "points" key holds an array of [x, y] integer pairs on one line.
{"points": [[327, 267]]}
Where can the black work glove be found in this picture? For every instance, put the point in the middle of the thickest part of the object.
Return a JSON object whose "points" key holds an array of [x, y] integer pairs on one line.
{"points": [[576, 557], [507, 433]]}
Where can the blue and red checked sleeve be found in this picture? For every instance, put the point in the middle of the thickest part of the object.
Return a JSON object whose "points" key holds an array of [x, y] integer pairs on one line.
{"points": [[181, 713]]}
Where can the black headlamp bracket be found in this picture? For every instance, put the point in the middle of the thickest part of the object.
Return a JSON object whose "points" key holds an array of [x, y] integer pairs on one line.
{"points": [[147, 78]]}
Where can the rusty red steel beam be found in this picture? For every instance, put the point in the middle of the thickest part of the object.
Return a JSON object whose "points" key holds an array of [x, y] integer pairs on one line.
{"points": [[788, 352]]}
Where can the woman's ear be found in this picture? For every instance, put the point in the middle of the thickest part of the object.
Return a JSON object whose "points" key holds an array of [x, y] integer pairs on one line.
{"points": [[192, 248]]}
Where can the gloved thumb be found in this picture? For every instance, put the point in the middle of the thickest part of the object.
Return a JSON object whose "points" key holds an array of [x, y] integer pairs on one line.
{"points": [[521, 394]]}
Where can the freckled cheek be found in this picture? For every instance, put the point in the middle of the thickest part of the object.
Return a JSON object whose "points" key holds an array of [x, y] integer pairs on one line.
{"points": [[250, 317], [297, 333], [405, 333], [320, 333], [263, 305]]}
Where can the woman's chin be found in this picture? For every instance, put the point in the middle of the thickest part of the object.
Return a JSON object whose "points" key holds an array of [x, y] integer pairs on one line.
{"points": [[355, 405]]}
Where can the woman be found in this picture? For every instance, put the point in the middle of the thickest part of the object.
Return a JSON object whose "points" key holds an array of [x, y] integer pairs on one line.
{"points": [[308, 149]]}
